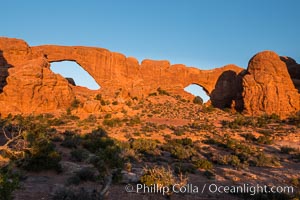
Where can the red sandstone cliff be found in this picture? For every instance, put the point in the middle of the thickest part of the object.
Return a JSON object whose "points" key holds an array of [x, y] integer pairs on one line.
{"points": [[27, 84]]}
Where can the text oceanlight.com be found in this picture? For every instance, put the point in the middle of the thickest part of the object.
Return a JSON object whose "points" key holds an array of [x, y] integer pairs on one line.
{"points": [[209, 188]]}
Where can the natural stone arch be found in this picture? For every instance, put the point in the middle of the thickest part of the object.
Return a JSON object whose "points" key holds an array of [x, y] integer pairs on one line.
{"points": [[75, 74], [198, 90], [40, 90]]}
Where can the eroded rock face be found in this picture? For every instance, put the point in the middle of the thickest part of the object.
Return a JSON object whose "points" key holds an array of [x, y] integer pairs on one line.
{"points": [[27, 84], [31, 86], [268, 88], [113, 71], [293, 69]]}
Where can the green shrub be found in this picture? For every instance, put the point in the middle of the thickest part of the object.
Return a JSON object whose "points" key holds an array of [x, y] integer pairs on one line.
{"points": [[41, 156], [75, 103], [232, 160], [249, 137], [109, 161], [145, 146], [162, 92], [114, 122], [90, 119], [287, 149], [107, 152], [198, 100], [153, 94], [8, 183], [71, 141], [133, 121], [238, 122], [179, 150], [98, 97], [265, 119], [79, 155], [179, 131], [161, 176], [107, 116], [262, 160], [184, 168], [96, 140], [208, 109], [264, 140], [203, 164]]}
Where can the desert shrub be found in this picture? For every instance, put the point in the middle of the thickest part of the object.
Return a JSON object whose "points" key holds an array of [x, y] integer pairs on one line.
{"points": [[287, 149], [184, 168], [203, 126], [133, 121], [56, 122], [149, 127], [98, 97], [153, 94], [114, 122], [209, 174], [90, 119], [179, 131], [239, 122], [96, 140], [109, 161], [265, 119], [145, 146], [203, 164], [295, 181], [295, 119], [198, 100], [208, 109], [162, 92], [262, 160], [249, 137], [71, 141], [232, 160], [75, 103], [107, 152], [41, 156], [212, 141], [107, 116], [8, 183], [179, 149], [79, 155], [264, 140], [161, 176], [114, 103]]}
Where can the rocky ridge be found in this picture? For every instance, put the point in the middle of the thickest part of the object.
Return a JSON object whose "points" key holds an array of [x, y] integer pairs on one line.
{"points": [[27, 84]]}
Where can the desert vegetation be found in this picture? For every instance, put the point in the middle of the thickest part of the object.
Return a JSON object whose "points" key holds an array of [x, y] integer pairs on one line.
{"points": [[161, 139]]}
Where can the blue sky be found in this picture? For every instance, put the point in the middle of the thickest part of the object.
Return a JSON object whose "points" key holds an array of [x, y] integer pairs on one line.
{"points": [[200, 33]]}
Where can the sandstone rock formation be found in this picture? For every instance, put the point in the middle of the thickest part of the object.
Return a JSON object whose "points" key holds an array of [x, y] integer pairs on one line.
{"points": [[294, 70], [268, 88], [27, 84], [114, 71]]}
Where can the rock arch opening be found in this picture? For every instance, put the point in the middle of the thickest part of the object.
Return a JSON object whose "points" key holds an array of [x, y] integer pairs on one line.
{"points": [[75, 74], [197, 90]]}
